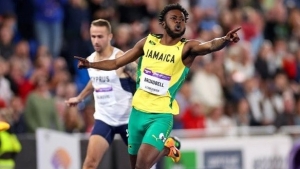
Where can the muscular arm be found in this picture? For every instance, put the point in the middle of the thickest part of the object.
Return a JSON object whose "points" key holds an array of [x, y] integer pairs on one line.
{"points": [[216, 44], [196, 48], [129, 56]]}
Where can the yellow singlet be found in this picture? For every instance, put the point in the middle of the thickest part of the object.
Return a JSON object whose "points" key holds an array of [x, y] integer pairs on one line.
{"points": [[160, 74]]}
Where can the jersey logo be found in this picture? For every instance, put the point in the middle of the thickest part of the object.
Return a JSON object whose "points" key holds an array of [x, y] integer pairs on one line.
{"points": [[161, 137], [151, 42], [155, 137]]}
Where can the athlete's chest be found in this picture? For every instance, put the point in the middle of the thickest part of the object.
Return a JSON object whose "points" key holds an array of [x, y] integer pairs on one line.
{"points": [[101, 76], [162, 54]]}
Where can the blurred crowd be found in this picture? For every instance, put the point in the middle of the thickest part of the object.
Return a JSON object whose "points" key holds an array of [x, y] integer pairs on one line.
{"points": [[252, 83]]}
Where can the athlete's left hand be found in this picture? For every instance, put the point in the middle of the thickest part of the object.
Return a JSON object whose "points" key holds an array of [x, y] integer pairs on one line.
{"points": [[232, 35], [83, 63]]}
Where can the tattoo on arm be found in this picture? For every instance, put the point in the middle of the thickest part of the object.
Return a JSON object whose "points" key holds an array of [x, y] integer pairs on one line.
{"points": [[131, 69], [218, 44]]}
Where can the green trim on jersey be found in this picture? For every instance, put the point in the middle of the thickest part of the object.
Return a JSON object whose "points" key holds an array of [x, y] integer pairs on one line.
{"points": [[173, 89]]}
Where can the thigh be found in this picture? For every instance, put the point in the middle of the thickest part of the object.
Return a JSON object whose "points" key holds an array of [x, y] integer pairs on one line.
{"points": [[96, 148], [123, 131], [158, 130], [104, 130], [135, 131]]}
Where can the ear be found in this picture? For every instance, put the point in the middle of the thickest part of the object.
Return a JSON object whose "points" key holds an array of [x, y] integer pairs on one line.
{"points": [[163, 24], [110, 36]]}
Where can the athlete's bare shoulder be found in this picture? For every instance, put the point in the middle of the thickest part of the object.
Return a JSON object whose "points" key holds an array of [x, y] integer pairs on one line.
{"points": [[141, 43], [90, 57], [189, 44], [192, 42], [187, 55], [119, 53]]}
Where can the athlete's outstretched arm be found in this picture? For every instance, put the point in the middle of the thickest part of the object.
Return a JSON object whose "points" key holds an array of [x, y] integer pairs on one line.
{"points": [[215, 44], [129, 56]]}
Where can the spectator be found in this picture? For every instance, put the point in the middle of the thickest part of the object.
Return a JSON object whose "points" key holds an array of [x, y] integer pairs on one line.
{"points": [[6, 42], [76, 28], [206, 12], [22, 54], [40, 110], [193, 117], [183, 99], [17, 107], [48, 22], [268, 107], [275, 23], [206, 87], [217, 122], [262, 62], [287, 118], [19, 84], [5, 92], [122, 38], [242, 116]]}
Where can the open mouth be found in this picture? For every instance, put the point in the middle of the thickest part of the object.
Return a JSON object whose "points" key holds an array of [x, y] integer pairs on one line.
{"points": [[177, 28]]}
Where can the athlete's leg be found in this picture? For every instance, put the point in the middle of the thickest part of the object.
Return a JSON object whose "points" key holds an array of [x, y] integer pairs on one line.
{"points": [[161, 154], [158, 129], [101, 137], [146, 156], [167, 151], [164, 152], [96, 148], [133, 160], [135, 135], [123, 131], [171, 149]]}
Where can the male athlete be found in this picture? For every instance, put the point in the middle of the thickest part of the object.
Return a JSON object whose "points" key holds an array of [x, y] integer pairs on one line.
{"points": [[112, 95], [112, 91], [164, 62]]}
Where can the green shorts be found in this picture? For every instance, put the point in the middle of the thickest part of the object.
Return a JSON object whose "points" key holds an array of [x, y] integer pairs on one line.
{"points": [[149, 128]]}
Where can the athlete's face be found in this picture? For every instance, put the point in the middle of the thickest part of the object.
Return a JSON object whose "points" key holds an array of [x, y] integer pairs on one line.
{"points": [[174, 23], [100, 37]]}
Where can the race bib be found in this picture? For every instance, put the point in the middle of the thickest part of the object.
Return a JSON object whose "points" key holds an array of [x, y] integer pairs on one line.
{"points": [[154, 82], [105, 95]]}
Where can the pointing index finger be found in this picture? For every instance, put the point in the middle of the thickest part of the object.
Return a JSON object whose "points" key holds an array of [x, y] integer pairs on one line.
{"points": [[79, 58], [235, 30]]}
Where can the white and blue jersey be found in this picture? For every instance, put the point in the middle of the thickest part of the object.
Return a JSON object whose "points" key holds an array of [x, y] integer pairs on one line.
{"points": [[112, 94]]}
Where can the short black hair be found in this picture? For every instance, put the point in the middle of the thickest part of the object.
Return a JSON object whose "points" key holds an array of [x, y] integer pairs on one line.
{"points": [[172, 7]]}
